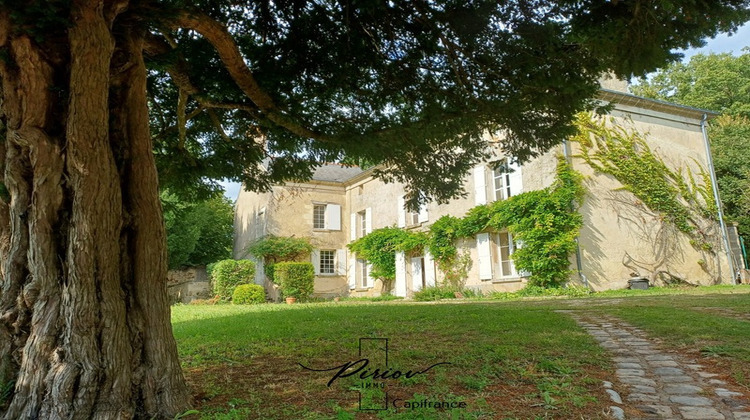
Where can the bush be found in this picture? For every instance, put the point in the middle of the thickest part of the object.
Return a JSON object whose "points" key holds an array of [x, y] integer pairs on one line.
{"points": [[443, 292], [228, 274], [246, 294], [296, 279]]}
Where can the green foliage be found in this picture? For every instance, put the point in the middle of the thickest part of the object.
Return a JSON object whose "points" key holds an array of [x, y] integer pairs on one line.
{"points": [[379, 249], [245, 294], [719, 82], [370, 99], [296, 279], [443, 292], [228, 274], [674, 194], [545, 221], [274, 249], [198, 232]]}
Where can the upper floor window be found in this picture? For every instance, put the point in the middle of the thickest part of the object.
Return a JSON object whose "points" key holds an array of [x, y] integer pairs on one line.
{"points": [[497, 181], [501, 183], [326, 216], [362, 220]]}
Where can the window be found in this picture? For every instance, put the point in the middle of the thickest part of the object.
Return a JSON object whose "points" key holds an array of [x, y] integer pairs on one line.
{"points": [[501, 183], [362, 218], [319, 216], [326, 216], [504, 248], [327, 261], [363, 274], [407, 218]]}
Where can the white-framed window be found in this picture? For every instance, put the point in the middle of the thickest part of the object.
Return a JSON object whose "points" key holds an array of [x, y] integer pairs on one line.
{"points": [[501, 183], [497, 181], [319, 216], [327, 261], [362, 223], [408, 218], [503, 249], [363, 273], [326, 216]]}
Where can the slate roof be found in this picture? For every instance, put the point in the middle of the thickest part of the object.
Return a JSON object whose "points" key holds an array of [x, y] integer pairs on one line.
{"points": [[335, 172]]}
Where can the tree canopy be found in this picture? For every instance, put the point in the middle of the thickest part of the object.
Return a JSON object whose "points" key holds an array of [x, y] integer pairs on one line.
{"points": [[198, 232], [721, 83], [410, 85]]}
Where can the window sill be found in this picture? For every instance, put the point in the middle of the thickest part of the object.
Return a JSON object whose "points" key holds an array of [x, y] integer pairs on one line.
{"points": [[326, 230], [363, 289], [508, 280]]}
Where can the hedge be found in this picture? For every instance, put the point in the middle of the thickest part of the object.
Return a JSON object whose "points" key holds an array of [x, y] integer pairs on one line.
{"points": [[228, 274], [296, 279], [246, 294]]}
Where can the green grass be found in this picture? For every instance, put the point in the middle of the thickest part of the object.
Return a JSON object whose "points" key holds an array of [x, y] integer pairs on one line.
{"points": [[508, 359], [498, 354]]}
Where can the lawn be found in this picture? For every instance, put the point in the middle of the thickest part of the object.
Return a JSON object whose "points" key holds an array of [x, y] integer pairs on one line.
{"points": [[504, 359]]}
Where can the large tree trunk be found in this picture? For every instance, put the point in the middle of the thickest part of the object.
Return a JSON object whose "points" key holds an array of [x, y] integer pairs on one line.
{"points": [[84, 316]]}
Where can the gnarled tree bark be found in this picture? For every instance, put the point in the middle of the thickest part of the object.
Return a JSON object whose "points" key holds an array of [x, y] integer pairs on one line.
{"points": [[84, 317]]}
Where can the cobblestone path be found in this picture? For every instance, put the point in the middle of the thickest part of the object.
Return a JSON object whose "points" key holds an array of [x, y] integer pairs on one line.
{"points": [[651, 383]]}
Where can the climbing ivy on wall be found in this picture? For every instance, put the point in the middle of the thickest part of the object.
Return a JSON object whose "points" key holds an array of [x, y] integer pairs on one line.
{"points": [[379, 248], [674, 194], [545, 221]]}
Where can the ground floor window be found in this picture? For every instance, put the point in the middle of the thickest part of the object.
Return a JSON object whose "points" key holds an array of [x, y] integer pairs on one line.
{"points": [[503, 248], [327, 261]]}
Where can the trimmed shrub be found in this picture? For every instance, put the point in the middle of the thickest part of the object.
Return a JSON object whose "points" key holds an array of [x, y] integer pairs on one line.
{"points": [[296, 279], [228, 274], [247, 294]]}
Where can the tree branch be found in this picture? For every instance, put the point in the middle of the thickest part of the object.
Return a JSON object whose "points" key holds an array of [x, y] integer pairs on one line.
{"points": [[217, 34]]}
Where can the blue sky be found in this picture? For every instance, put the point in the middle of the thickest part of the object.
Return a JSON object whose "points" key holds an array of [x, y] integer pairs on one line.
{"points": [[720, 44]]}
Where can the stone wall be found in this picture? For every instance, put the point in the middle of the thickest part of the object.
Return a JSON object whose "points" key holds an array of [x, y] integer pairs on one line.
{"points": [[187, 284]]}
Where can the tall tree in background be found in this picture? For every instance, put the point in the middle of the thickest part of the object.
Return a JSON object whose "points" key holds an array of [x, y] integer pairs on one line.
{"points": [[199, 232], [721, 83], [84, 319]]}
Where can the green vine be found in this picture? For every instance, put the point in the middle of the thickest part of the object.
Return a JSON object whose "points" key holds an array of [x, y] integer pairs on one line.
{"points": [[673, 194], [274, 249], [379, 248], [545, 221]]}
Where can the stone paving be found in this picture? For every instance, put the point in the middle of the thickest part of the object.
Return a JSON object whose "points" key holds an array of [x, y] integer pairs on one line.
{"points": [[657, 384]]}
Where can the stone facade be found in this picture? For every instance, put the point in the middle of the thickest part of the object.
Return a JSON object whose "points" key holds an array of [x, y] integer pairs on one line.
{"points": [[612, 245], [188, 284]]}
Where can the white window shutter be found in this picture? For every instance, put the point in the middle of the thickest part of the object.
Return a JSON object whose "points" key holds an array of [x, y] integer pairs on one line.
{"points": [[485, 256], [429, 269], [400, 283], [422, 216], [368, 220], [315, 260], [416, 274], [352, 270], [480, 185], [515, 179], [353, 226], [333, 217], [341, 262], [401, 211]]}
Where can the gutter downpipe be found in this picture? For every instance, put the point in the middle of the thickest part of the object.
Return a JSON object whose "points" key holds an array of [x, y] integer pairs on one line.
{"points": [[579, 262], [715, 187]]}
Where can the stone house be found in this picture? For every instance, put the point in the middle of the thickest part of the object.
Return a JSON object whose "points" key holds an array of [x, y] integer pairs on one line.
{"points": [[618, 239]]}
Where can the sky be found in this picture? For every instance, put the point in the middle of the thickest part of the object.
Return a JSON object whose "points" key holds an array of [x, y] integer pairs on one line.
{"points": [[722, 43]]}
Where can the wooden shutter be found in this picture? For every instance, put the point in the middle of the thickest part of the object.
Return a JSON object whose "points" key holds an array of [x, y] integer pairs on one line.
{"points": [[333, 217], [368, 220], [515, 179], [315, 260], [370, 280], [480, 185], [429, 269], [400, 283], [353, 226], [416, 274], [352, 270], [401, 211], [485, 256], [340, 262], [422, 216]]}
